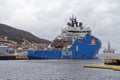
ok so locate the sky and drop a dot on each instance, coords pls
(46, 18)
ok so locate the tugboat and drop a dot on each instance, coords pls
(74, 42)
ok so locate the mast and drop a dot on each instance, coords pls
(73, 22)
(109, 46)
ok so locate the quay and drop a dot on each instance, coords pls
(110, 63)
(7, 57)
(13, 57)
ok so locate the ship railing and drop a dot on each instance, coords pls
(77, 29)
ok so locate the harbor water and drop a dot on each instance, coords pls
(56, 69)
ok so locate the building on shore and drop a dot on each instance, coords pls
(8, 46)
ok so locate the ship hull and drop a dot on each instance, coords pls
(87, 48)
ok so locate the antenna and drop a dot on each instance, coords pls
(109, 46)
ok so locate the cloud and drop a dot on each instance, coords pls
(45, 18)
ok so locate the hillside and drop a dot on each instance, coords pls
(18, 35)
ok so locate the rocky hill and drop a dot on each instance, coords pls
(18, 35)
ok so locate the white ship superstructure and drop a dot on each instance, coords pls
(73, 31)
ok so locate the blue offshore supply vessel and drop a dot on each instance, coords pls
(74, 42)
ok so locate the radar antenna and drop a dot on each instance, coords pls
(73, 22)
